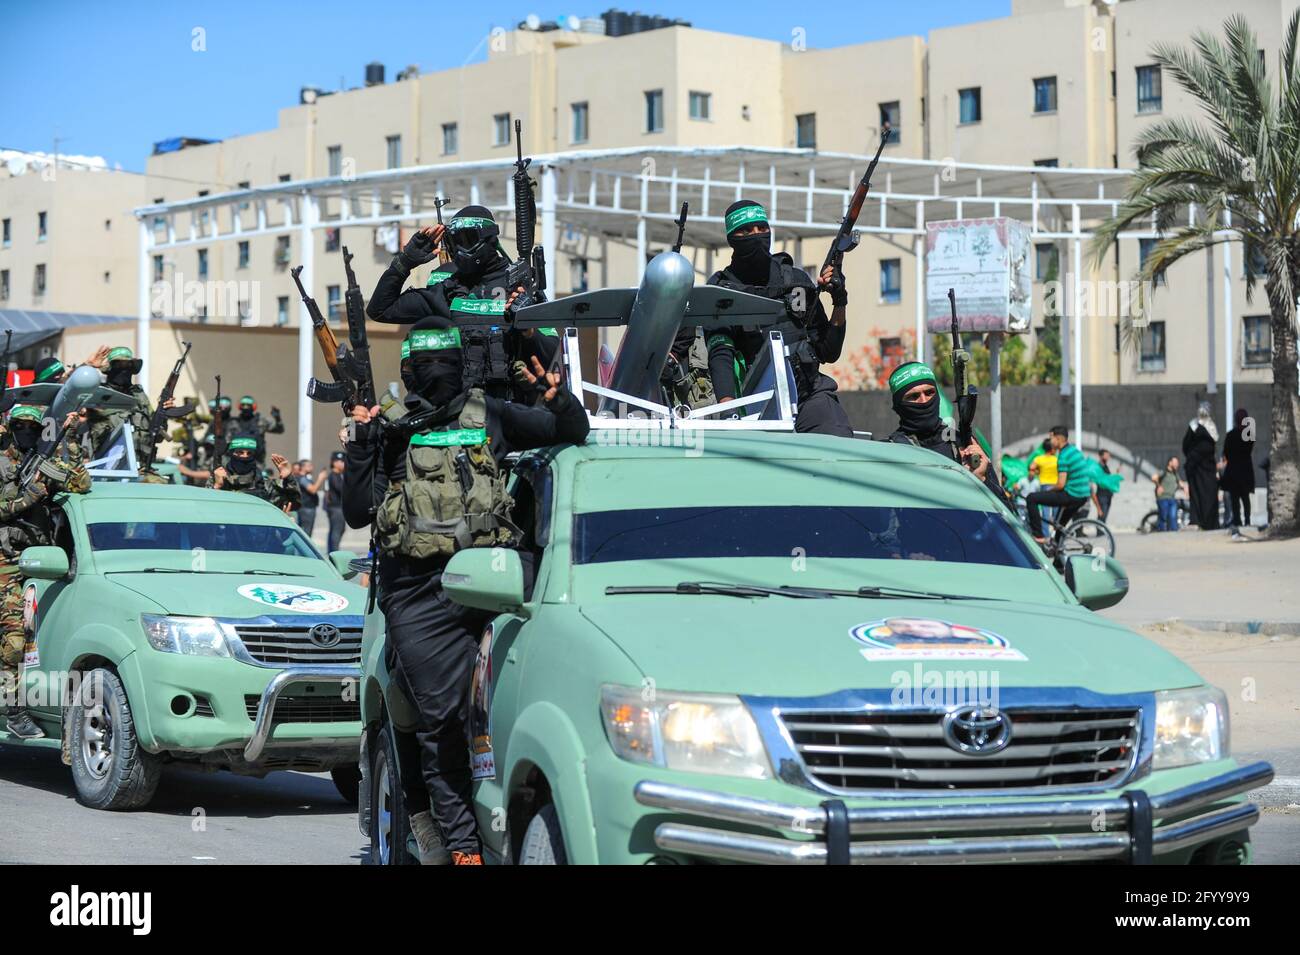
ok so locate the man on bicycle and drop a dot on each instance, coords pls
(1072, 486)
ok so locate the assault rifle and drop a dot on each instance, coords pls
(4, 383)
(444, 254)
(681, 227)
(846, 240)
(218, 431)
(345, 389)
(530, 269)
(75, 393)
(965, 394)
(158, 423)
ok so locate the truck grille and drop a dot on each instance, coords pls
(280, 646)
(876, 750)
(307, 709)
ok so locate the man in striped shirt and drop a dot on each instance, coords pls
(1072, 484)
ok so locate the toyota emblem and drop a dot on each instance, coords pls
(325, 635)
(977, 730)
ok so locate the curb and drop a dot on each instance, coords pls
(1267, 628)
(1283, 791)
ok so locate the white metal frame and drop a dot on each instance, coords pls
(632, 196)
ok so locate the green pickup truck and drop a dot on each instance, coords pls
(764, 647)
(179, 624)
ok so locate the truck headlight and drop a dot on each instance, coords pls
(192, 636)
(695, 732)
(1191, 727)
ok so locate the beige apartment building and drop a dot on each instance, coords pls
(1063, 83)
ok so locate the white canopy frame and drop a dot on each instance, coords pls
(633, 195)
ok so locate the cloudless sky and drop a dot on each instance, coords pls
(109, 77)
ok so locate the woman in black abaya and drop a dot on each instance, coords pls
(1202, 475)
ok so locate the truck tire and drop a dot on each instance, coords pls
(389, 825)
(543, 841)
(347, 780)
(109, 768)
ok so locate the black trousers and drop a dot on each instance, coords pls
(337, 525)
(307, 519)
(1239, 502)
(434, 644)
(1052, 498)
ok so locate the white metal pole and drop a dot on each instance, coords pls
(1076, 249)
(143, 311)
(306, 339)
(640, 249)
(549, 231)
(995, 394)
(919, 282)
(1210, 385)
(1228, 351)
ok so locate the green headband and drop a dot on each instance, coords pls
(744, 216)
(430, 339)
(54, 369)
(26, 413)
(121, 353)
(243, 444)
(469, 222)
(247, 400)
(905, 376)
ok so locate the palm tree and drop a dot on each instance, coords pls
(1240, 170)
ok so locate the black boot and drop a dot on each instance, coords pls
(21, 725)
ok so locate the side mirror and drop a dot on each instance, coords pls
(342, 561)
(486, 578)
(44, 563)
(1098, 581)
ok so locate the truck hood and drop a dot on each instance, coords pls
(778, 646)
(245, 595)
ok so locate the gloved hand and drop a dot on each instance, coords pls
(275, 412)
(419, 250)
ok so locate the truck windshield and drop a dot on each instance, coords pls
(189, 536)
(862, 533)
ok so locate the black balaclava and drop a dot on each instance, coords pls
(915, 419)
(245, 413)
(119, 375)
(474, 260)
(751, 255)
(242, 466)
(436, 380)
(25, 437)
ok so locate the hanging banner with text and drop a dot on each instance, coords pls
(987, 262)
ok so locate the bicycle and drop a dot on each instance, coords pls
(1078, 535)
(1152, 518)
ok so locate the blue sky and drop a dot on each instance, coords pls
(109, 77)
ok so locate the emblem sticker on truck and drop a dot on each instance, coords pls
(924, 638)
(290, 597)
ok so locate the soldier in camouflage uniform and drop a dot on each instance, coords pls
(122, 367)
(26, 520)
(241, 473)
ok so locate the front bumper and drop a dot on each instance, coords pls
(344, 675)
(1120, 829)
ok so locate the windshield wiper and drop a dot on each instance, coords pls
(706, 587)
(277, 573)
(900, 593)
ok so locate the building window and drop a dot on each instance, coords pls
(891, 114)
(108, 278)
(701, 105)
(1152, 357)
(1047, 163)
(157, 268)
(1047, 261)
(1144, 250)
(40, 227)
(1149, 98)
(332, 240)
(38, 284)
(578, 275)
(240, 185)
(1255, 264)
(1256, 342)
(450, 139)
(501, 129)
(891, 281)
(393, 145)
(201, 313)
(203, 263)
(579, 133)
(243, 254)
(285, 177)
(970, 105)
(332, 299)
(654, 111)
(335, 161)
(159, 222)
(245, 311)
(1045, 94)
(282, 310)
(4, 285)
(891, 355)
(282, 250)
(6, 233)
(805, 131)
(205, 215)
